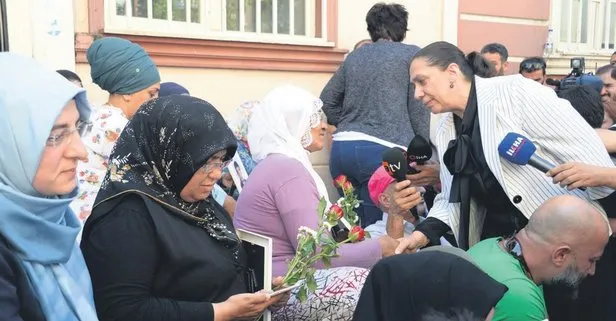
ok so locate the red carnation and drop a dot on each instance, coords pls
(340, 180)
(347, 187)
(357, 234)
(337, 211)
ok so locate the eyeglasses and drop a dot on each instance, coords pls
(209, 167)
(532, 66)
(82, 128)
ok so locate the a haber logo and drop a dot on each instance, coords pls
(515, 147)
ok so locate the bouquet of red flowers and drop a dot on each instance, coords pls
(319, 245)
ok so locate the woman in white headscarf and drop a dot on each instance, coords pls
(282, 194)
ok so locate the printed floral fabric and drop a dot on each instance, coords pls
(107, 125)
(238, 123)
(335, 298)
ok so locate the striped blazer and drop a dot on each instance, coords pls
(516, 104)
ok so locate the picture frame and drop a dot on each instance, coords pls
(258, 250)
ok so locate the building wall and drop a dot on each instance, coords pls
(33, 27)
(520, 25)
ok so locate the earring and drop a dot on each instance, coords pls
(451, 85)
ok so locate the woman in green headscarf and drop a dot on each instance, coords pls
(128, 74)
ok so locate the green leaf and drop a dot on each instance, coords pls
(321, 207)
(366, 234)
(311, 283)
(301, 295)
(327, 260)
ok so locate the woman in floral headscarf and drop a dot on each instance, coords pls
(157, 244)
(238, 122)
(129, 75)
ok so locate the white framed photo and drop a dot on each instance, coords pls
(238, 172)
(258, 249)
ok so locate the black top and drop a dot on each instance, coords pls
(502, 217)
(18, 301)
(149, 264)
(405, 287)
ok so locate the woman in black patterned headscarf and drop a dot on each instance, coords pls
(157, 245)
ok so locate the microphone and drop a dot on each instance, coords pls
(419, 151)
(396, 165)
(519, 150)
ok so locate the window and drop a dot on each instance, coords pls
(294, 21)
(584, 26)
(4, 37)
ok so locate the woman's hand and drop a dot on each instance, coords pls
(429, 174)
(243, 306)
(412, 243)
(282, 298)
(388, 245)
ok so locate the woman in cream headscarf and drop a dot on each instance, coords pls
(43, 275)
(129, 75)
(282, 193)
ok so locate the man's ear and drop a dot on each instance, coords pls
(506, 66)
(384, 200)
(560, 255)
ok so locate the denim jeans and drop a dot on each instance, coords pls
(358, 160)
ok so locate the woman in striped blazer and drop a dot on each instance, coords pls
(483, 195)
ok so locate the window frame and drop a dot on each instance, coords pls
(139, 26)
(592, 48)
(224, 54)
(4, 33)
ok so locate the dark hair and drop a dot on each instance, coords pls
(69, 75)
(496, 48)
(532, 64)
(387, 21)
(587, 101)
(611, 69)
(441, 54)
(463, 315)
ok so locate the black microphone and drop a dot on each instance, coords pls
(419, 151)
(396, 165)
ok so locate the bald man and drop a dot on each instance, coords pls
(560, 245)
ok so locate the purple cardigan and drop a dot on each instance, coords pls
(278, 198)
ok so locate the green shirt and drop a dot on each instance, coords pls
(524, 300)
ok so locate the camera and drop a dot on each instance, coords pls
(577, 66)
(577, 76)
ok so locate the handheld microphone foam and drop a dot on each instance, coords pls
(396, 165)
(419, 151)
(519, 150)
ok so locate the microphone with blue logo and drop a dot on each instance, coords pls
(519, 150)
